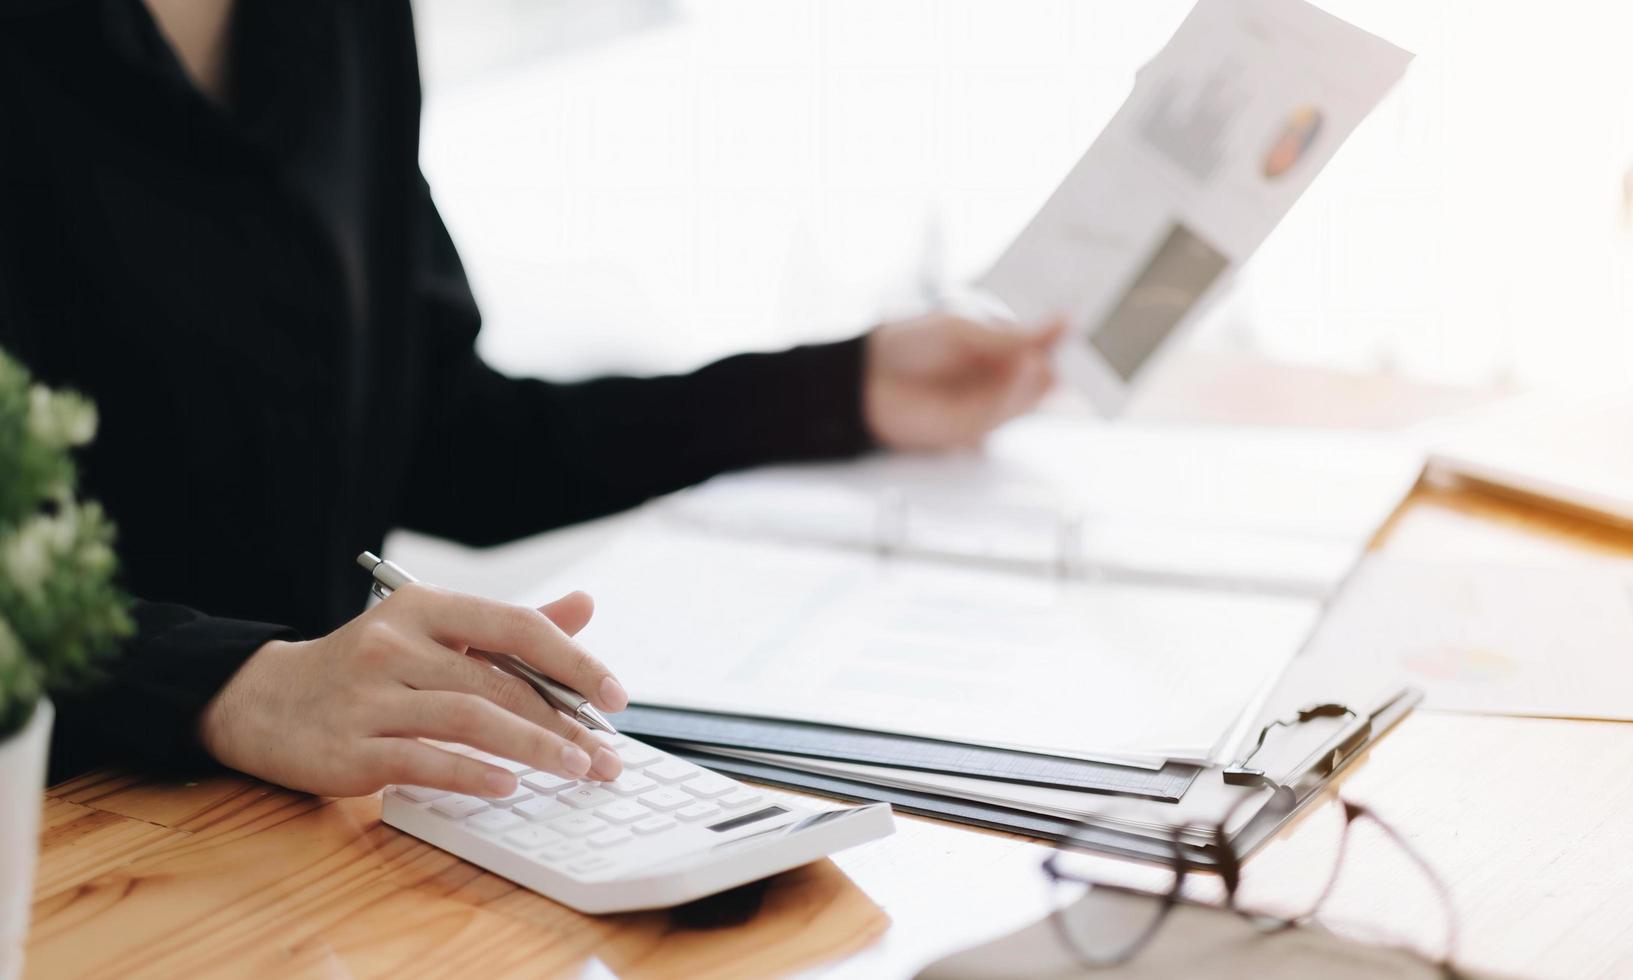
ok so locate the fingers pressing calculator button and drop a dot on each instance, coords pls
(668, 798)
(513, 799)
(671, 771)
(544, 782)
(459, 806)
(636, 755)
(420, 794)
(510, 765)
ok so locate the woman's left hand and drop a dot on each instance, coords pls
(942, 381)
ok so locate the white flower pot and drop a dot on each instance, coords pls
(22, 787)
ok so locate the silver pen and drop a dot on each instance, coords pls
(388, 577)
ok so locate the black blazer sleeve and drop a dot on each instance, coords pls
(143, 711)
(502, 457)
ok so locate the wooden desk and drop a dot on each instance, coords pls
(234, 876)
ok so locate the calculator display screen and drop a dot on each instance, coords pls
(746, 819)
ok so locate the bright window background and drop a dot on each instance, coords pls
(644, 185)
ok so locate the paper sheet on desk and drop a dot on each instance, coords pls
(1547, 641)
(1224, 130)
(1093, 670)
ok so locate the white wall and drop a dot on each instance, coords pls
(731, 174)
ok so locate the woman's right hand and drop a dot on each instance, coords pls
(344, 715)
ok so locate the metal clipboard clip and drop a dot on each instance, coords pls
(1315, 769)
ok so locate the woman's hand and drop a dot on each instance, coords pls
(343, 715)
(941, 381)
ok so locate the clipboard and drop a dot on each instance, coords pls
(1320, 761)
(815, 740)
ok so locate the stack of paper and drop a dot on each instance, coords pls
(1112, 671)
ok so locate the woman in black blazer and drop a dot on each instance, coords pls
(212, 221)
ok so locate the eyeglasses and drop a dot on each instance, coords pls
(1106, 941)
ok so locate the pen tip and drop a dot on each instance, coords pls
(594, 719)
(368, 560)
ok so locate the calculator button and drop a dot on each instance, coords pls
(610, 838)
(613, 741)
(562, 851)
(657, 823)
(697, 811)
(585, 797)
(708, 786)
(738, 798)
(509, 765)
(494, 821)
(671, 771)
(420, 794)
(622, 811)
(668, 798)
(594, 862)
(578, 825)
(531, 838)
(629, 784)
(513, 799)
(636, 755)
(543, 782)
(543, 808)
(459, 806)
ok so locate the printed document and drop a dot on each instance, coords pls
(1223, 131)
(1553, 641)
(1097, 670)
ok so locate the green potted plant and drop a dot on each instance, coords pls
(60, 613)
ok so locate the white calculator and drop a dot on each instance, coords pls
(663, 833)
